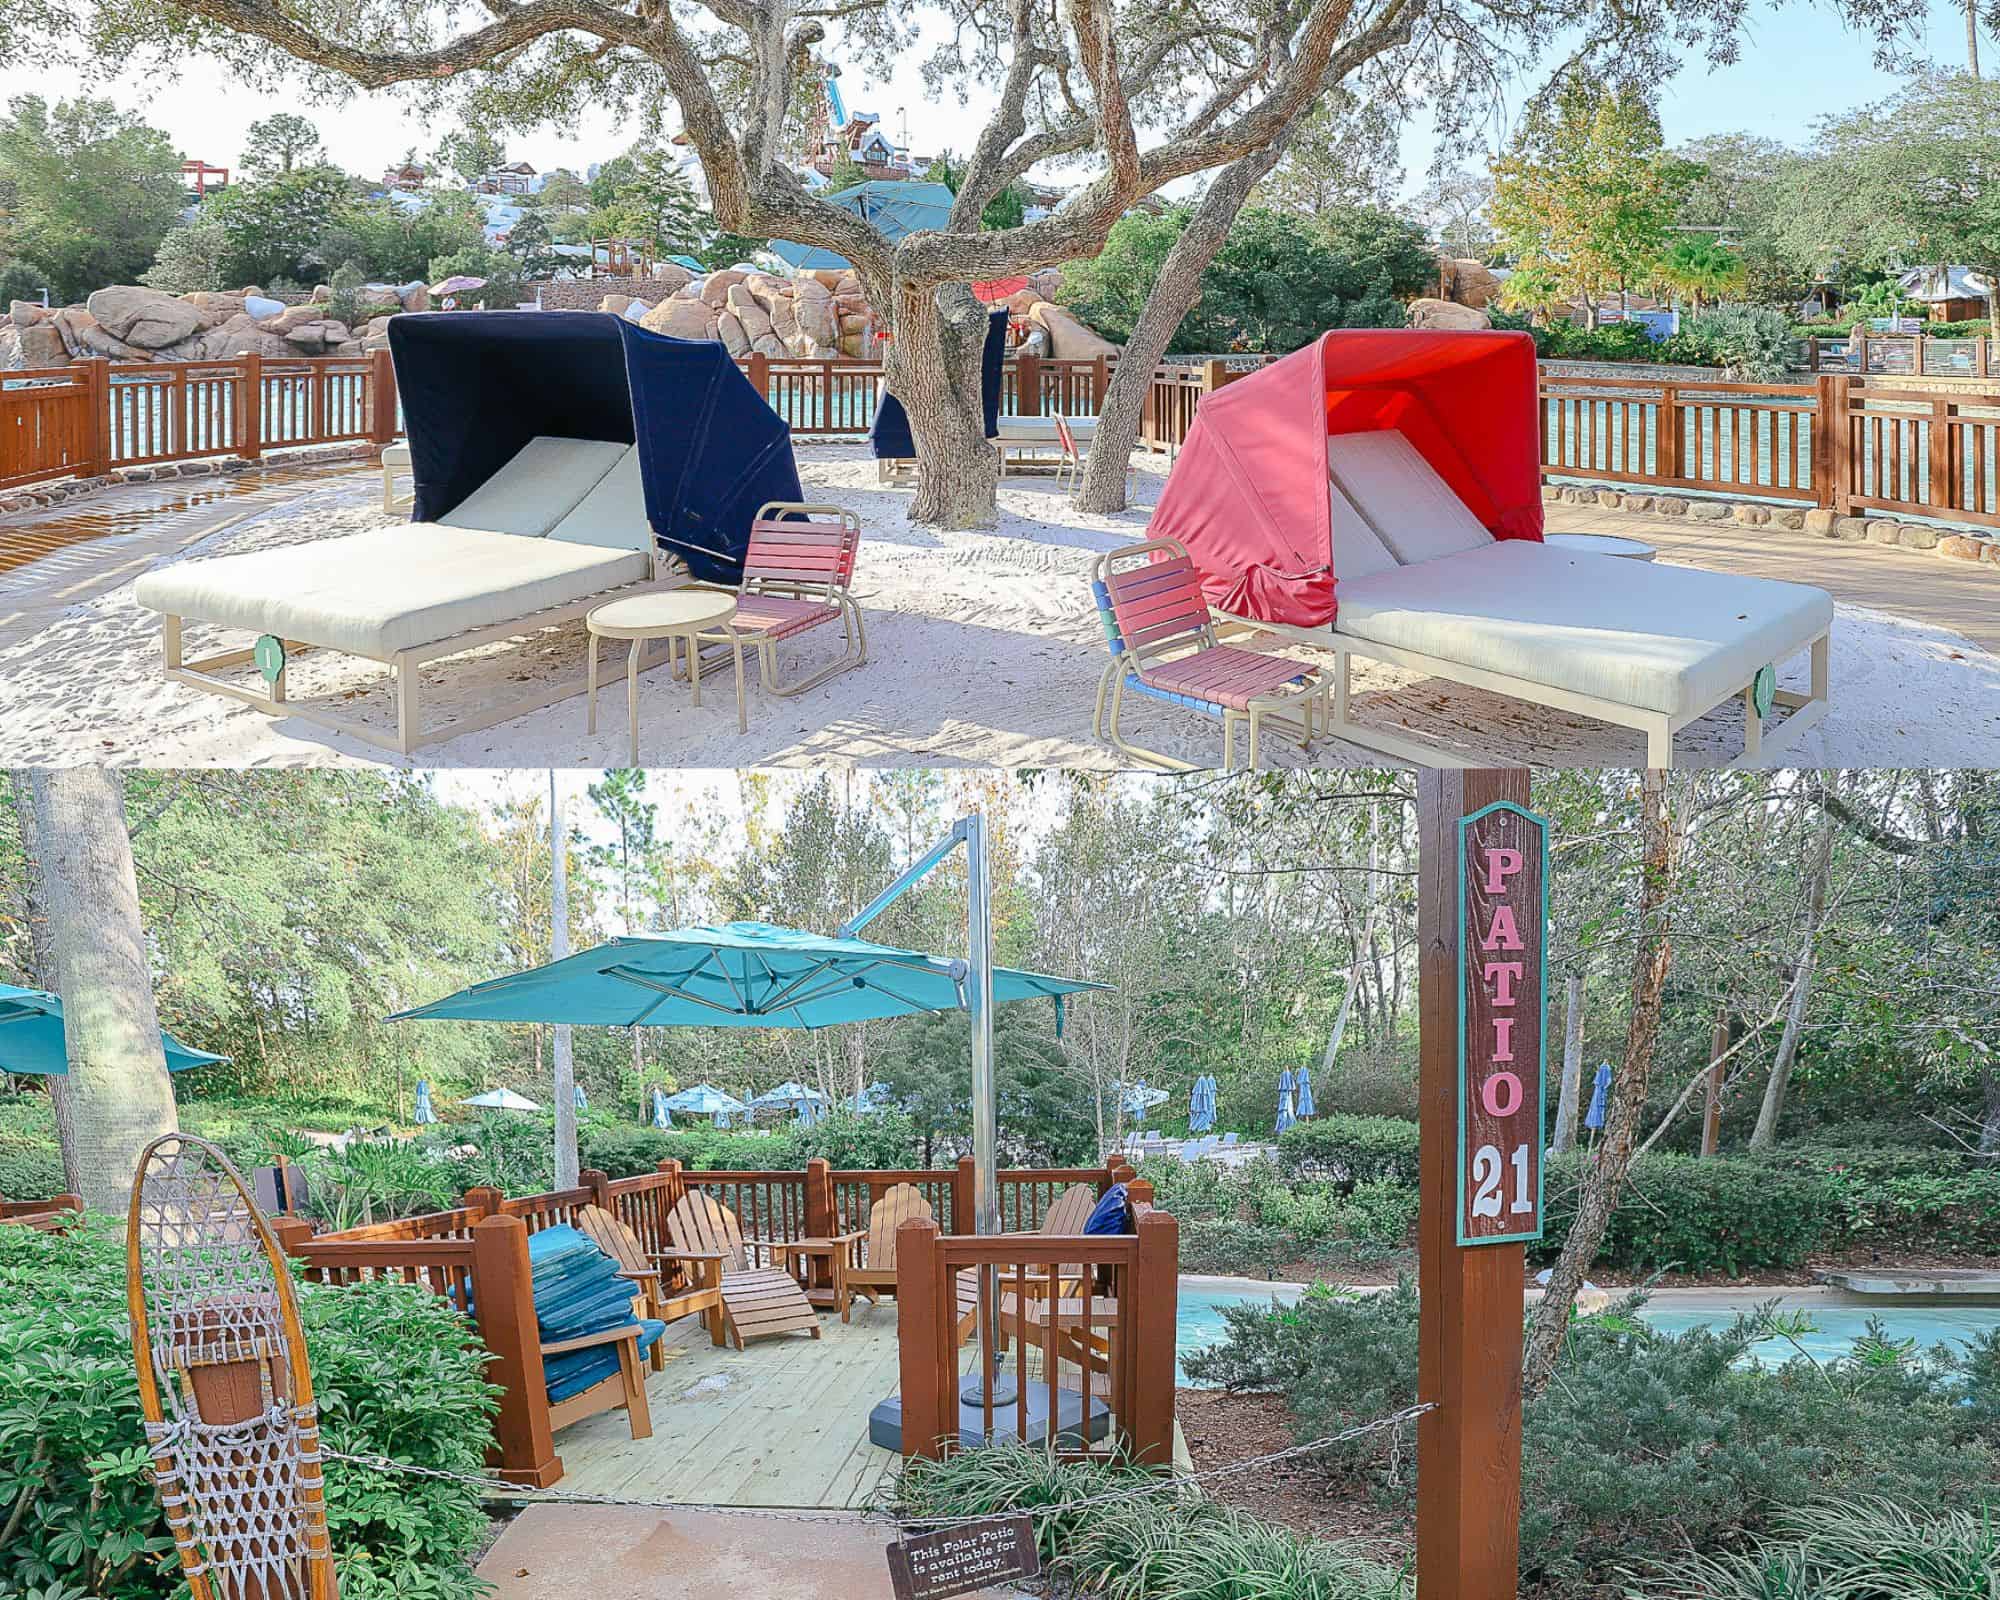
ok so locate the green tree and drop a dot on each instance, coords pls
(1738, 187)
(1341, 155)
(280, 143)
(274, 224)
(471, 152)
(653, 201)
(1586, 192)
(93, 191)
(190, 257)
(1909, 181)
(389, 242)
(1701, 268)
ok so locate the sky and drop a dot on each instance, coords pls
(1797, 66)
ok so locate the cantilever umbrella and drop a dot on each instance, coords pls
(740, 975)
(31, 1037)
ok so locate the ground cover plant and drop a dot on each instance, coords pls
(1646, 1445)
(1160, 1546)
(395, 1371)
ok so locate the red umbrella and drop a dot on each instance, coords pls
(999, 289)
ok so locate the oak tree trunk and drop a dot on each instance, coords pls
(1173, 296)
(116, 1097)
(1604, 1180)
(933, 367)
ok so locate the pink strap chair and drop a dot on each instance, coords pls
(1163, 645)
(797, 574)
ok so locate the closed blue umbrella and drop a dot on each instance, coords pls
(1305, 1092)
(1286, 1113)
(661, 1117)
(32, 1044)
(1195, 1122)
(582, 1099)
(1599, 1091)
(423, 1111)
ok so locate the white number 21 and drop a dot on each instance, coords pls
(1487, 1169)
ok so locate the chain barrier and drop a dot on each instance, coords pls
(500, 1488)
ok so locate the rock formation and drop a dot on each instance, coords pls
(1447, 316)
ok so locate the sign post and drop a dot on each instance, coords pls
(1481, 931)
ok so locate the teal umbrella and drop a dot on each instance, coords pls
(31, 1037)
(893, 207)
(703, 1100)
(741, 975)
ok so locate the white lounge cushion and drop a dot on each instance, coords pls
(538, 488)
(1396, 489)
(389, 589)
(613, 515)
(1358, 550)
(1663, 638)
(1042, 430)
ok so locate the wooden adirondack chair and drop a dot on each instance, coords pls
(1066, 1215)
(657, 1297)
(876, 1270)
(754, 1301)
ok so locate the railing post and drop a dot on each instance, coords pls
(1100, 379)
(250, 405)
(925, 1349)
(1214, 374)
(1155, 1292)
(820, 1220)
(962, 1220)
(503, 1301)
(599, 1185)
(1837, 492)
(291, 1233)
(97, 386)
(486, 1201)
(758, 370)
(1943, 457)
(381, 397)
(1667, 433)
(675, 1189)
(1028, 386)
(1857, 345)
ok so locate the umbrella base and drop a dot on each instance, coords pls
(1076, 1419)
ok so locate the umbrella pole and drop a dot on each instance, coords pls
(565, 1065)
(979, 1009)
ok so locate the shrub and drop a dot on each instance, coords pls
(1900, 1195)
(1194, 1191)
(1372, 1221)
(1644, 1443)
(1152, 1547)
(1351, 1150)
(1753, 343)
(1688, 1215)
(28, 1171)
(1227, 1245)
(395, 1372)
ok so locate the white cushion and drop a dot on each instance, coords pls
(1042, 430)
(1662, 638)
(1357, 549)
(538, 488)
(376, 593)
(1396, 489)
(613, 515)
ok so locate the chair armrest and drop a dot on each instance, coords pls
(586, 1341)
(689, 1255)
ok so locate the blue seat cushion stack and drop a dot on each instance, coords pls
(578, 1291)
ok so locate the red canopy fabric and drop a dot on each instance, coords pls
(1248, 492)
(996, 289)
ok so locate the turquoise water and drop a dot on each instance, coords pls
(1835, 1327)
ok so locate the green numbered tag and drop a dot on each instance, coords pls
(269, 654)
(1764, 690)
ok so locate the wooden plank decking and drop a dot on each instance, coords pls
(782, 1423)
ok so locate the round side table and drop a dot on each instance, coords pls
(1601, 544)
(668, 614)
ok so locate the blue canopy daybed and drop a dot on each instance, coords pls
(557, 456)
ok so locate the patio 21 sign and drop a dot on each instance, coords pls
(1502, 986)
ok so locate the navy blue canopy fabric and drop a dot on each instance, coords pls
(476, 386)
(890, 436)
(711, 449)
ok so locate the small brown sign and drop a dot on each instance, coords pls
(930, 1566)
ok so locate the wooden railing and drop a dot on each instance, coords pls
(1754, 439)
(1898, 355)
(1896, 450)
(92, 416)
(838, 397)
(476, 1255)
(1100, 1333)
(47, 1216)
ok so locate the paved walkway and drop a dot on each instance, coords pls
(1959, 595)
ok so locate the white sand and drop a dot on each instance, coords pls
(984, 649)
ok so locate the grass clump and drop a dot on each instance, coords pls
(1167, 1545)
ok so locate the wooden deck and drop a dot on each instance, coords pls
(782, 1423)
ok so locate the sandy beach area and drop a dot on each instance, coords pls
(984, 649)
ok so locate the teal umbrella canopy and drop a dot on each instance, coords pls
(703, 1100)
(787, 1096)
(894, 207)
(740, 975)
(31, 1037)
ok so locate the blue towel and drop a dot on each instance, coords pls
(578, 1291)
(1113, 1214)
